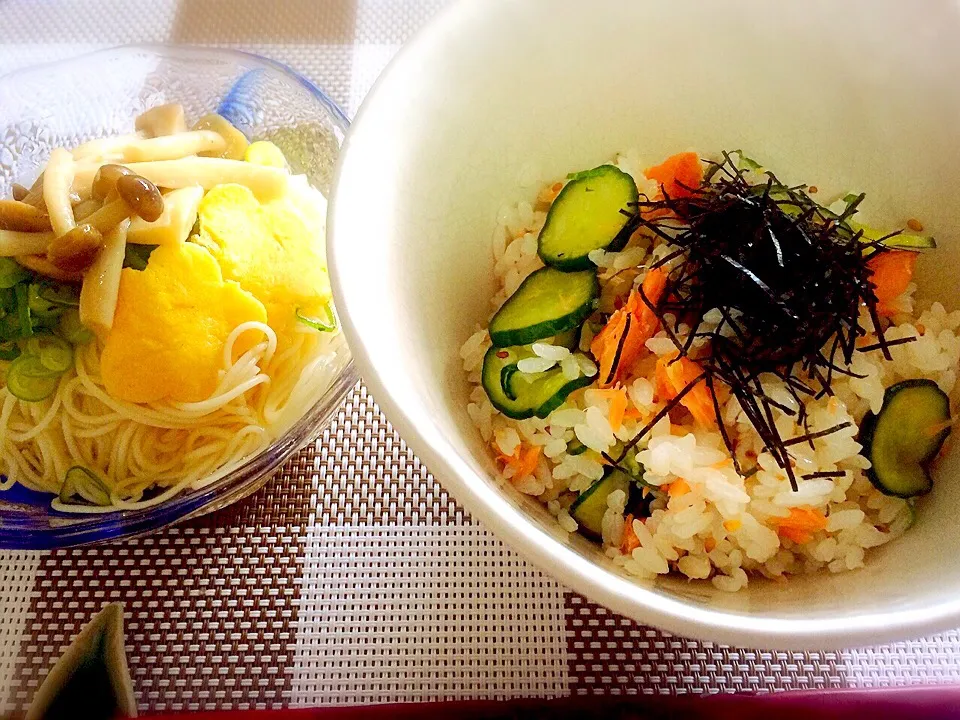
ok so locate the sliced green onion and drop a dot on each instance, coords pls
(36, 369)
(136, 256)
(11, 272)
(746, 163)
(60, 294)
(8, 299)
(83, 483)
(54, 353)
(46, 324)
(9, 351)
(9, 327)
(635, 470)
(23, 310)
(72, 330)
(330, 325)
(39, 306)
(29, 380)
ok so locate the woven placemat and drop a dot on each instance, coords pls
(352, 577)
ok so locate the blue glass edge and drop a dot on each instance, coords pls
(307, 84)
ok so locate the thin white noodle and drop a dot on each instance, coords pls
(72, 448)
(8, 402)
(206, 406)
(147, 454)
(40, 426)
(244, 328)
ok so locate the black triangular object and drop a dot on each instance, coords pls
(91, 680)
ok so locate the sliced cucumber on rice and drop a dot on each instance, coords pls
(904, 438)
(908, 242)
(575, 447)
(570, 339)
(591, 504)
(521, 395)
(899, 241)
(547, 303)
(590, 213)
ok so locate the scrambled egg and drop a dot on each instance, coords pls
(171, 323)
(273, 250)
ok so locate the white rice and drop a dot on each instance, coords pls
(724, 528)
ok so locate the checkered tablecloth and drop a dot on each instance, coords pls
(352, 577)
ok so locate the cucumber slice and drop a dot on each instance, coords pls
(547, 303)
(905, 436)
(587, 215)
(910, 242)
(82, 483)
(896, 242)
(570, 339)
(912, 512)
(575, 447)
(589, 507)
(521, 396)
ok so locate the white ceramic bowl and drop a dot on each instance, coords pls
(495, 93)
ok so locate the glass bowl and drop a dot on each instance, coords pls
(68, 102)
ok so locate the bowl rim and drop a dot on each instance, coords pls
(490, 506)
(256, 471)
(166, 49)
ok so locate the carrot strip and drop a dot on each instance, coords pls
(661, 381)
(678, 488)
(800, 524)
(506, 459)
(803, 518)
(890, 274)
(678, 175)
(549, 193)
(632, 413)
(795, 534)
(653, 285)
(523, 461)
(673, 374)
(623, 339)
(617, 399)
(630, 541)
(607, 342)
(527, 462)
(618, 408)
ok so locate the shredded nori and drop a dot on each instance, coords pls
(788, 277)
